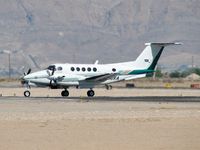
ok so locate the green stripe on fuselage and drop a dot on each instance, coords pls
(155, 61)
(137, 72)
(151, 67)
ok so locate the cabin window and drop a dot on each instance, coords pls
(83, 69)
(77, 69)
(60, 68)
(89, 69)
(72, 68)
(95, 69)
(114, 70)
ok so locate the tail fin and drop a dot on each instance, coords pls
(148, 59)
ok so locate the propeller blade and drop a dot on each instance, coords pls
(53, 83)
(53, 71)
(29, 71)
(48, 72)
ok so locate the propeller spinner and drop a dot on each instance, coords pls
(23, 82)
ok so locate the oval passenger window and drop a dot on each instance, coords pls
(94, 69)
(83, 69)
(89, 69)
(72, 69)
(113, 69)
(59, 68)
(77, 69)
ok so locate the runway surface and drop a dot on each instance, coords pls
(109, 98)
(102, 122)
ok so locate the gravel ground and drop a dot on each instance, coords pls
(102, 123)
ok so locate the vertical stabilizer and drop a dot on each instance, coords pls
(148, 59)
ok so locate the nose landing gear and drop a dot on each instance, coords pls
(27, 93)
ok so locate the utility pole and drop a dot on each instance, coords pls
(192, 62)
(8, 52)
(154, 73)
(9, 66)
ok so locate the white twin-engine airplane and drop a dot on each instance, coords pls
(63, 76)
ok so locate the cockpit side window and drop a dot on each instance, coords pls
(52, 67)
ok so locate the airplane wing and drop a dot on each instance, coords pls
(101, 78)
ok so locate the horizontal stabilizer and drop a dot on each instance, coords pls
(163, 44)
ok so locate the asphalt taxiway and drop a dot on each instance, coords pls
(109, 98)
(102, 95)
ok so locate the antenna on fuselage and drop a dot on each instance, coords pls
(96, 62)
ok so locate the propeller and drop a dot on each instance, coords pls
(28, 72)
(53, 78)
(53, 71)
(53, 81)
(24, 82)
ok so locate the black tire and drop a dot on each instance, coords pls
(109, 87)
(27, 93)
(90, 93)
(65, 93)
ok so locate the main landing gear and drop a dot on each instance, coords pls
(27, 93)
(65, 93)
(90, 93)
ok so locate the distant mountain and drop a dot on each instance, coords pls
(81, 31)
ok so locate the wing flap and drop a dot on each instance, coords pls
(101, 78)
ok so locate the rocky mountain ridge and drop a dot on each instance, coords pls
(81, 31)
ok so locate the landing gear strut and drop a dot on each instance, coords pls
(65, 93)
(27, 93)
(90, 93)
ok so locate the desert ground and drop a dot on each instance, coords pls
(47, 121)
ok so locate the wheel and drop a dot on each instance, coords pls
(65, 93)
(27, 93)
(108, 87)
(90, 93)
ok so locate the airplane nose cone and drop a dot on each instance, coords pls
(36, 75)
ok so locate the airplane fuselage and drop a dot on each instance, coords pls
(77, 74)
(91, 75)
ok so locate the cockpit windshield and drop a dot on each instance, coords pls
(52, 67)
